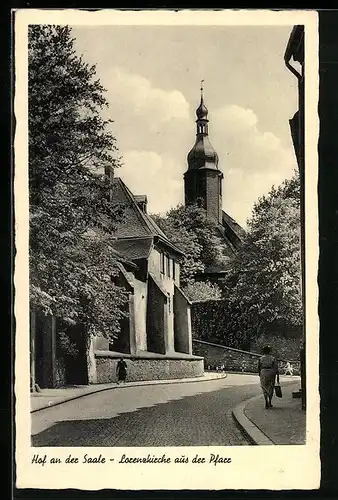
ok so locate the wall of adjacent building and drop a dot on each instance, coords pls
(168, 283)
(140, 314)
(182, 323)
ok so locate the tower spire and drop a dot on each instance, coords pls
(203, 179)
(202, 154)
(202, 115)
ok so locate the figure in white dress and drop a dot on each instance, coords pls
(288, 369)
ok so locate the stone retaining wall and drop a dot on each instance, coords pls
(139, 368)
(233, 359)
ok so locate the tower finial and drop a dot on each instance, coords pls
(202, 81)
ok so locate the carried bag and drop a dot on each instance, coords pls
(278, 391)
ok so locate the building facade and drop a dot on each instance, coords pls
(155, 337)
(294, 54)
(158, 329)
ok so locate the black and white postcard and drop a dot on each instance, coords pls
(167, 244)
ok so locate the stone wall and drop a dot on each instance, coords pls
(139, 368)
(233, 359)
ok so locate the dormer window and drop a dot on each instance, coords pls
(142, 202)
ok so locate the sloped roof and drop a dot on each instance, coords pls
(232, 234)
(236, 228)
(124, 259)
(133, 223)
(119, 256)
(159, 285)
(136, 223)
(231, 231)
(134, 248)
(154, 228)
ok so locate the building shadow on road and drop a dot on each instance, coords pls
(202, 419)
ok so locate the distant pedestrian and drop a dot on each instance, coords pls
(268, 370)
(288, 369)
(121, 371)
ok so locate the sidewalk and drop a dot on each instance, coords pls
(285, 423)
(47, 398)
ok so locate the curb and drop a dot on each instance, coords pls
(249, 429)
(132, 384)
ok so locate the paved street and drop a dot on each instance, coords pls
(190, 414)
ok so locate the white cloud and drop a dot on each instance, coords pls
(146, 172)
(143, 99)
(155, 131)
(251, 160)
(145, 117)
(152, 98)
(237, 118)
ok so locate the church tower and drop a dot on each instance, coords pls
(203, 179)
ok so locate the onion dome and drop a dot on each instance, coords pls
(202, 111)
(202, 155)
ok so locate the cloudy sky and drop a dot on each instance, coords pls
(152, 75)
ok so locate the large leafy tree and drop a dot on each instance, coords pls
(189, 229)
(202, 291)
(66, 130)
(267, 277)
(262, 293)
(72, 217)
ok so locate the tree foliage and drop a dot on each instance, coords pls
(223, 322)
(201, 291)
(71, 216)
(267, 277)
(220, 322)
(262, 292)
(66, 130)
(197, 237)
